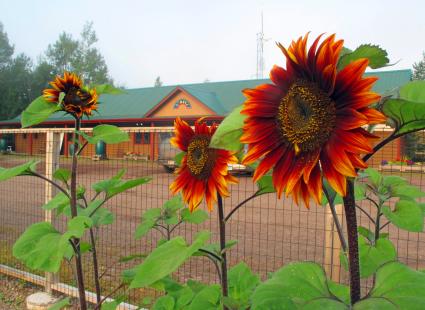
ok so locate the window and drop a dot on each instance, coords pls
(146, 138)
(138, 138)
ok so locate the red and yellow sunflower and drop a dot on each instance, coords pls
(308, 123)
(203, 170)
(77, 100)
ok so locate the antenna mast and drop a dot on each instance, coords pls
(260, 50)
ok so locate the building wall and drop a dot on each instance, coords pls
(30, 143)
(170, 108)
(121, 149)
(390, 152)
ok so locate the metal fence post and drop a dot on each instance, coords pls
(53, 146)
(332, 244)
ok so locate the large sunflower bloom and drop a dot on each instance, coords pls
(308, 122)
(203, 170)
(77, 100)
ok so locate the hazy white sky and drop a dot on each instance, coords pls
(189, 41)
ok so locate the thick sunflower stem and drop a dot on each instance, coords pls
(222, 227)
(353, 246)
(74, 213)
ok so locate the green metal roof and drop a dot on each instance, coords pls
(221, 97)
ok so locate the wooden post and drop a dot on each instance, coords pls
(332, 244)
(53, 146)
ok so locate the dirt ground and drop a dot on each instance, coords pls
(271, 232)
(14, 292)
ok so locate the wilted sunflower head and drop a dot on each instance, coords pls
(308, 122)
(75, 99)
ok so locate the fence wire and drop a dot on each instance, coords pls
(270, 232)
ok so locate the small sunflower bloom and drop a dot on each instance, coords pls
(308, 123)
(76, 100)
(203, 170)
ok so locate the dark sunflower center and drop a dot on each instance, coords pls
(76, 97)
(306, 116)
(200, 158)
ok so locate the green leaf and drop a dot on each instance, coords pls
(111, 305)
(116, 186)
(375, 178)
(59, 201)
(38, 111)
(324, 303)
(105, 185)
(340, 291)
(372, 257)
(62, 175)
(77, 226)
(407, 215)
(196, 217)
(374, 304)
(131, 257)
(101, 216)
(107, 89)
(377, 56)
(405, 191)
(61, 304)
(413, 91)
(174, 204)
(229, 132)
(166, 259)
(107, 133)
(8, 173)
(149, 219)
(164, 303)
(209, 298)
(183, 297)
(393, 180)
(366, 233)
(400, 285)
(292, 286)
(39, 247)
(265, 185)
(178, 158)
(242, 283)
(406, 116)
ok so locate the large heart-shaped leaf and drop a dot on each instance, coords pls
(197, 216)
(265, 185)
(107, 89)
(397, 285)
(38, 247)
(413, 91)
(406, 116)
(294, 286)
(372, 256)
(38, 111)
(165, 259)
(149, 219)
(107, 133)
(8, 173)
(377, 56)
(229, 132)
(242, 282)
(407, 215)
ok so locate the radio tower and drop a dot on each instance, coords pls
(260, 49)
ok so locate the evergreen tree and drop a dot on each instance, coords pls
(158, 82)
(419, 69)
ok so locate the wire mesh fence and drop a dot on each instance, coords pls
(270, 232)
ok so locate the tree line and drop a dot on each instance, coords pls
(22, 79)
